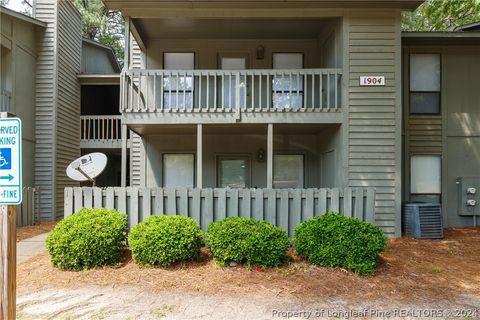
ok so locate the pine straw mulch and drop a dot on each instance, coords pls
(410, 271)
(32, 231)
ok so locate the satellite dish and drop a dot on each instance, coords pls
(87, 167)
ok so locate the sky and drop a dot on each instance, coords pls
(16, 5)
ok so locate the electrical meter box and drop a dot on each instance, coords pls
(468, 196)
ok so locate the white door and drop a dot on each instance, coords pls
(178, 89)
(287, 90)
(233, 83)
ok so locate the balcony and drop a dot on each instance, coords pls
(226, 96)
(5, 101)
(100, 131)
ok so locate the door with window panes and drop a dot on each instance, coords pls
(287, 89)
(233, 171)
(178, 87)
(234, 85)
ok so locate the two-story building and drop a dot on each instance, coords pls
(267, 109)
(266, 94)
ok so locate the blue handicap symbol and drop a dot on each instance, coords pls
(5, 158)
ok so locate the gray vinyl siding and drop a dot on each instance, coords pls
(374, 117)
(58, 102)
(138, 57)
(68, 96)
(44, 111)
(136, 160)
(136, 151)
(424, 134)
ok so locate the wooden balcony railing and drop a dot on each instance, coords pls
(5, 101)
(101, 128)
(230, 91)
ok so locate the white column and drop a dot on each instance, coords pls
(270, 156)
(199, 156)
(124, 156)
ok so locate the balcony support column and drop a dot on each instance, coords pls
(124, 156)
(199, 155)
(270, 156)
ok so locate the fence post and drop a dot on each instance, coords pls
(8, 262)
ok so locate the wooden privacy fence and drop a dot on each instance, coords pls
(28, 213)
(282, 207)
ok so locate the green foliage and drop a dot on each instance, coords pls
(441, 15)
(237, 239)
(102, 25)
(88, 238)
(334, 240)
(163, 240)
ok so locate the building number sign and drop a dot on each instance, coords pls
(372, 80)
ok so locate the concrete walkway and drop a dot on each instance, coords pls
(31, 247)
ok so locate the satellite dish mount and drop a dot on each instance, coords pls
(87, 167)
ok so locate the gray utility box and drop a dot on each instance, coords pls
(468, 196)
(423, 220)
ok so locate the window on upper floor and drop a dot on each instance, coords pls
(287, 89)
(425, 83)
(178, 89)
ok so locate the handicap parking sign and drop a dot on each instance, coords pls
(10, 161)
(5, 158)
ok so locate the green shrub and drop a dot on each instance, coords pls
(88, 238)
(335, 240)
(163, 240)
(257, 243)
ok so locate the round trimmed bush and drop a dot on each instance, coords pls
(163, 240)
(335, 240)
(243, 240)
(87, 239)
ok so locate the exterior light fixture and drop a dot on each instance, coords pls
(260, 52)
(261, 155)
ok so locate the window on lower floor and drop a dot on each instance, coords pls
(178, 170)
(288, 171)
(425, 178)
(233, 172)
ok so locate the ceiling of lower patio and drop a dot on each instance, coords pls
(184, 28)
(222, 129)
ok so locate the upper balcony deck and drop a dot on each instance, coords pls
(246, 70)
(229, 95)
